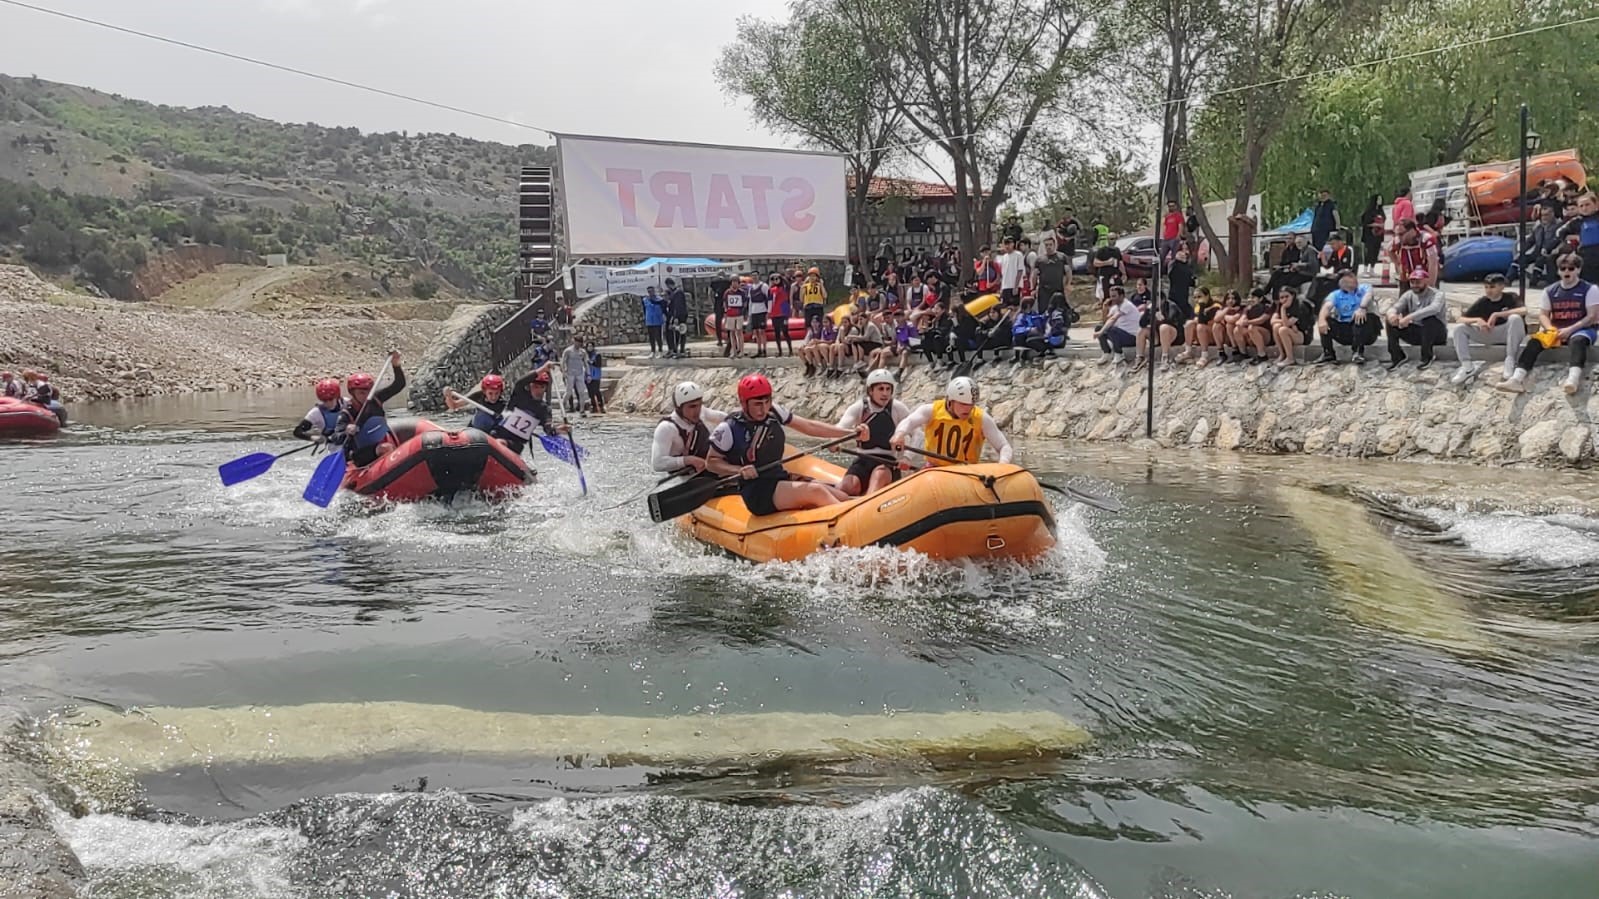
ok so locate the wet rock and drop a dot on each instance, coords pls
(1540, 440)
(1576, 443)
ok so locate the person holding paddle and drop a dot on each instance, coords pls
(683, 439)
(954, 428)
(879, 411)
(510, 417)
(321, 424)
(753, 438)
(368, 436)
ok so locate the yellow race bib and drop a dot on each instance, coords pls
(1549, 339)
(960, 438)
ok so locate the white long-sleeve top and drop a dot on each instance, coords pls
(922, 416)
(856, 413)
(667, 450)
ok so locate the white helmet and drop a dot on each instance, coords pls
(961, 390)
(686, 392)
(879, 376)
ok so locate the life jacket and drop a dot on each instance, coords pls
(325, 420)
(914, 295)
(696, 438)
(960, 438)
(756, 443)
(373, 430)
(736, 301)
(486, 421)
(1567, 306)
(812, 294)
(879, 425)
(15, 389)
(523, 413)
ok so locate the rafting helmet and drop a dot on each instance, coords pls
(687, 392)
(962, 390)
(359, 381)
(327, 389)
(542, 377)
(879, 376)
(493, 382)
(755, 386)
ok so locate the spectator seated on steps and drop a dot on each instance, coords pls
(1348, 316)
(1568, 317)
(1417, 319)
(1298, 266)
(1496, 319)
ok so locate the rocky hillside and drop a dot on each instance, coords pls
(92, 183)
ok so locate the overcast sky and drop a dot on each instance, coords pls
(635, 68)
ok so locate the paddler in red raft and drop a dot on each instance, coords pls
(516, 413)
(368, 436)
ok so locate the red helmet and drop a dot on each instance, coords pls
(327, 389)
(753, 387)
(359, 381)
(542, 377)
(493, 382)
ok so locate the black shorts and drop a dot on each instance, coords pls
(862, 469)
(868, 346)
(757, 321)
(758, 495)
(1010, 298)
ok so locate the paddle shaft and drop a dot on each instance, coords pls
(772, 466)
(691, 495)
(1087, 499)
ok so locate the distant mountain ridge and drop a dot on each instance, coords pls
(124, 175)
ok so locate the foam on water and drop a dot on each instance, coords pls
(1554, 541)
(914, 842)
(128, 857)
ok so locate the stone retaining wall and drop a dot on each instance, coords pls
(1343, 411)
(460, 354)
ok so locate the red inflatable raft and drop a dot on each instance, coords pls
(431, 462)
(19, 418)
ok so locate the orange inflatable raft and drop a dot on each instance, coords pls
(1496, 187)
(983, 511)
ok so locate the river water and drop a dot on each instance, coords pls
(1286, 694)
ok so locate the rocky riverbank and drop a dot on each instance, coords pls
(1344, 411)
(98, 350)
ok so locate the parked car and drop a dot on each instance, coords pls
(1139, 255)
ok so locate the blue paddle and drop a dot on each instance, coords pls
(576, 460)
(252, 466)
(566, 450)
(325, 481)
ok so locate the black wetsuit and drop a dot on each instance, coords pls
(362, 450)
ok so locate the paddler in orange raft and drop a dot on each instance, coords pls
(955, 427)
(753, 437)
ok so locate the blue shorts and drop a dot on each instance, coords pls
(1591, 333)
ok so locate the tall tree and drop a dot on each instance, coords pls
(809, 77)
(1268, 62)
(978, 80)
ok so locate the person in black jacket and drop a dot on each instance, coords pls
(676, 320)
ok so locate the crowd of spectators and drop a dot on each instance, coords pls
(1011, 301)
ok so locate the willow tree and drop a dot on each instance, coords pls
(809, 78)
(1362, 130)
(1267, 61)
(978, 81)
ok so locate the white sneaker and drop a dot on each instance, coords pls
(1466, 372)
(1573, 380)
(1516, 383)
(1166, 364)
(1106, 359)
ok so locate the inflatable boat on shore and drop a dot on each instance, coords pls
(433, 463)
(20, 418)
(982, 511)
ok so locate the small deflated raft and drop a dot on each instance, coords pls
(983, 511)
(19, 418)
(432, 463)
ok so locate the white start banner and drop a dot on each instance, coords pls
(671, 199)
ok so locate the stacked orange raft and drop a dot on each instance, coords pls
(985, 511)
(432, 463)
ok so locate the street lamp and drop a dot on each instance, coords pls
(1530, 141)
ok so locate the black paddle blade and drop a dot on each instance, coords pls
(681, 499)
(1103, 503)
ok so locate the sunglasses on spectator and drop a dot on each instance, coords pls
(1570, 268)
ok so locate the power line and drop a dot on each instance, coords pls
(396, 95)
(1398, 57)
(277, 66)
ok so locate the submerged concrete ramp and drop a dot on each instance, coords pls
(1382, 588)
(164, 739)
